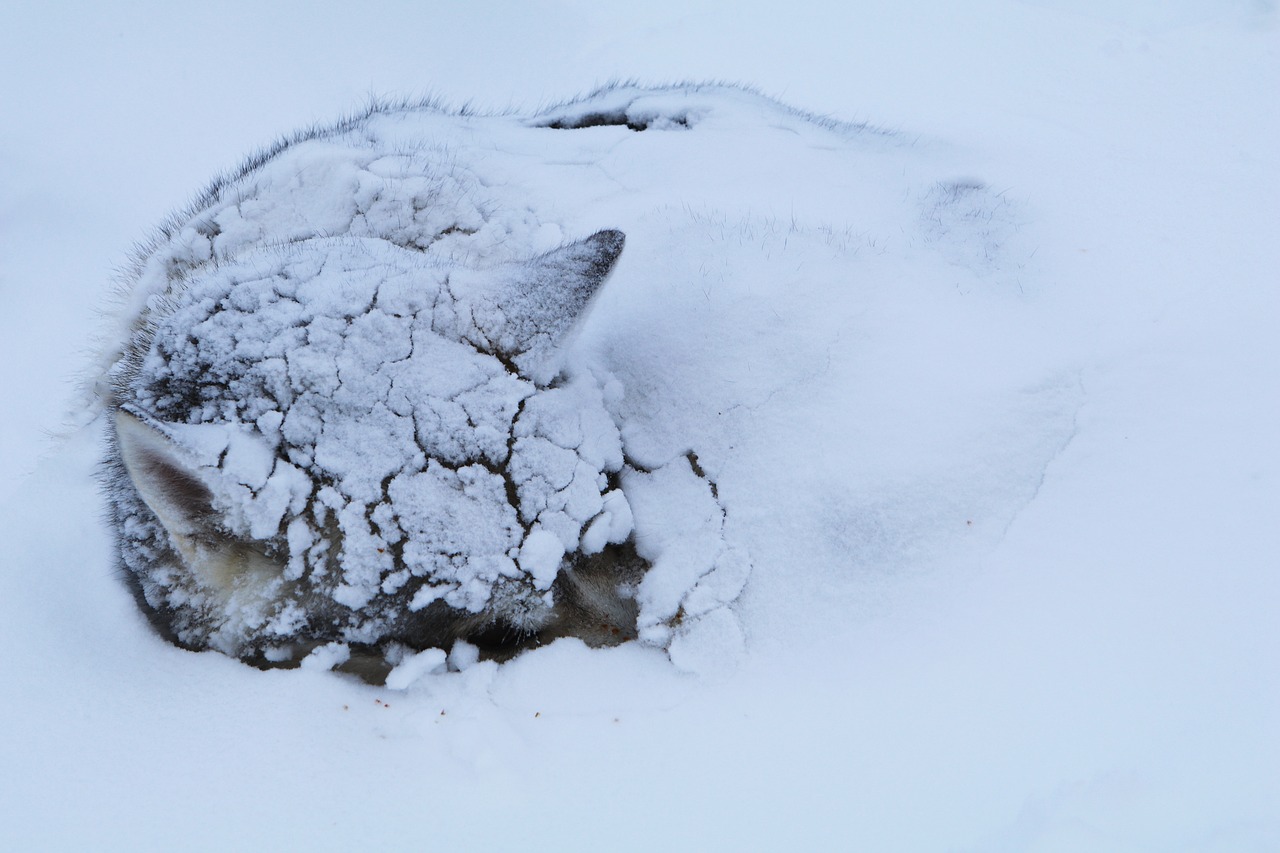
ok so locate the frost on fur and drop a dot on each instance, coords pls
(342, 427)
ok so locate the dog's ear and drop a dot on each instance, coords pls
(166, 479)
(527, 311)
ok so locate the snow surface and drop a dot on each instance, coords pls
(988, 396)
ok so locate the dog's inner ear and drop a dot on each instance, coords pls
(529, 310)
(166, 481)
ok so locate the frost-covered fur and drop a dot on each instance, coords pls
(340, 416)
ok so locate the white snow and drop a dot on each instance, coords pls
(413, 667)
(540, 556)
(988, 402)
(326, 657)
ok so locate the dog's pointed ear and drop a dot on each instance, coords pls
(536, 305)
(166, 478)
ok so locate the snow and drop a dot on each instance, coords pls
(413, 667)
(985, 390)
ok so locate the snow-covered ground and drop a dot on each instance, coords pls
(988, 389)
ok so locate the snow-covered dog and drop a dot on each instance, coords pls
(330, 426)
(340, 420)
